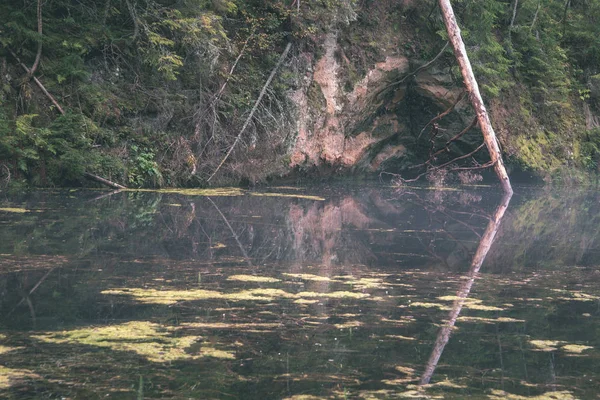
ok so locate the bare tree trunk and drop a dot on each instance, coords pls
(260, 96)
(473, 88)
(39, 49)
(104, 181)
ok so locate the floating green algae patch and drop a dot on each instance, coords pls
(430, 305)
(295, 196)
(252, 278)
(308, 277)
(8, 376)
(195, 192)
(470, 303)
(562, 395)
(545, 345)
(575, 348)
(367, 283)
(150, 340)
(489, 320)
(167, 297)
(6, 349)
(153, 296)
(14, 210)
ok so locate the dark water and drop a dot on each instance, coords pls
(360, 292)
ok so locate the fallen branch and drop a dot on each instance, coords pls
(422, 67)
(448, 163)
(447, 144)
(261, 95)
(217, 96)
(103, 181)
(442, 115)
(36, 80)
(411, 74)
(482, 166)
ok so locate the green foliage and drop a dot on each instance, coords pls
(589, 151)
(177, 78)
(143, 168)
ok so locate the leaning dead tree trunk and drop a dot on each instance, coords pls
(103, 181)
(473, 88)
(249, 119)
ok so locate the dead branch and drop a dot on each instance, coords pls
(448, 163)
(136, 24)
(262, 93)
(36, 80)
(460, 158)
(103, 181)
(482, 166)
(217, 96)
(535, 16)
(39, 49)
(411, 74)
(422, 67)
(447, 144)
(442, 115)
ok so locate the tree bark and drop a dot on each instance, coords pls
(473, 88)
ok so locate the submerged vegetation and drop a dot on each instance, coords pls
(153, 93)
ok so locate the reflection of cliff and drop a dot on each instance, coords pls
(320, 233)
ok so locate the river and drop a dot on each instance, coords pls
(300, 292)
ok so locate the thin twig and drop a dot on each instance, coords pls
(442, 115)
(447, 144)
(422, 67)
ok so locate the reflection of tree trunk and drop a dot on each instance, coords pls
(235, 236)
(484, 247)
(473, 88)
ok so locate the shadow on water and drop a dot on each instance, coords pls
(300, 293)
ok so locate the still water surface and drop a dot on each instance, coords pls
(300, 293)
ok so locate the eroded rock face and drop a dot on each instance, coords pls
(360, 127)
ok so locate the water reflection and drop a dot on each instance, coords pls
(328, 292)
(485, 244)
